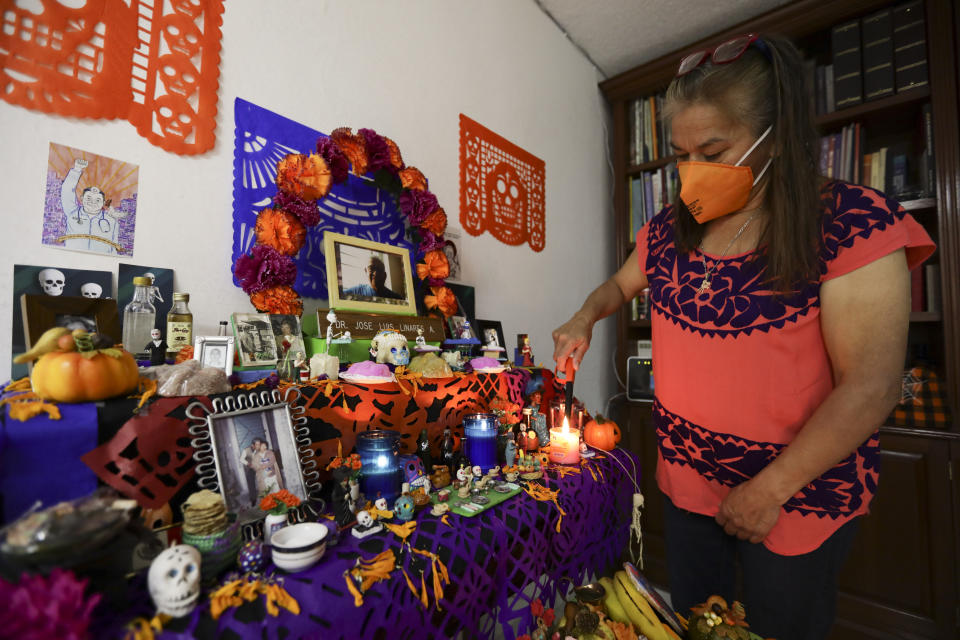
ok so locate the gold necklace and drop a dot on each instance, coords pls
(708, 273)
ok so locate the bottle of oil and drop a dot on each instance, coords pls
(180, 323)
(139, 317)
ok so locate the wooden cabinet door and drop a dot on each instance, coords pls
(900, 578)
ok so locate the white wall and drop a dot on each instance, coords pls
(406, 69)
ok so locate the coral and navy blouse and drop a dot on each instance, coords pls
(738, 371)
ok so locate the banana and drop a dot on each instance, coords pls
(637, 608)
(46, 344)
(671, 634)
(612, 602)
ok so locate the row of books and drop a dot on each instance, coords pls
(892, 169)
(925, 288)
(649, 139)
(872, 57)
(640, 306)
(649, 192)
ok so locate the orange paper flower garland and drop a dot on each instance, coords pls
(267, 272)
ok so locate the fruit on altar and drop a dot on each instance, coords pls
(601, 433)
(637, 608)
(713, 620)
(612, 602)
(47, 343)
(84, 375)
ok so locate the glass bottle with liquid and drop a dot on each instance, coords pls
(179, 323)
(139, 317)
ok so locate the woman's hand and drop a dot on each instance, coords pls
(749, 511)
(572, 340)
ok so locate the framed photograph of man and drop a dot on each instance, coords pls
(255, 452)
(364, 275)
(214, 351)
(255, 342)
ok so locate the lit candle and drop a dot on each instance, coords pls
(564, 444)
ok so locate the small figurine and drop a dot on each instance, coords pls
(251, 558)
(441, 476)
(157, 348)
(366, 525)
(510, 452)
(439, 509)
(390, 346)
(403, 508)
(342, 511)
(423, 451)
(331, 322)
(526, 353)
(465, 331)
(421, 341)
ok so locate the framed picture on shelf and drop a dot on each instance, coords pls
(42, 312)
(255, 451)
(460, 328)
(255, 342)
(364, 275)
(288, 336)
(490, 333)
(214, 351)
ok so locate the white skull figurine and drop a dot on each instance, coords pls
(174, 580)
(364, 519)
(390, 346)
(91, 290)
(52, 281)
(381, 504)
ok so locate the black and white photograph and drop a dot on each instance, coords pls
(214, 351)
(255, 342)
(490, 333)
(287, 335)
(256, 454)
(368, 276)
(74, 322)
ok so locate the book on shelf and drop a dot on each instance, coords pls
(637, 207)
(640, 308)
(928, 179)
(909, 46)
(830, 104)
(876, 32)
(847, 79)
(931, 277)
(649, 139)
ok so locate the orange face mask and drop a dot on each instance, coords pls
(712, 189)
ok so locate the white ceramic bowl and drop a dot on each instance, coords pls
(299, 546)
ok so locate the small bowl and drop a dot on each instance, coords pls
(298, 546)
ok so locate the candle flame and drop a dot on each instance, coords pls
(566, 425)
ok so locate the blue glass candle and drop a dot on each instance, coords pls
(380, 473)
(480, 446)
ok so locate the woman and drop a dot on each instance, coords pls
(780, 310)
(264, 463)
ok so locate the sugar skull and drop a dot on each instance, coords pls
(403, 508)
(52, 281)
(364, 519)
(390, 346)
(91, 290)
(381, 504)
(174, 580)
(413, 473)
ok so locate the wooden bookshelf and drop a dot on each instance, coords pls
(902, 577)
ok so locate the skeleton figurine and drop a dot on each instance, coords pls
(342, 511)
(421, 341)
(174, 580)
(52, 281)
(366, 525)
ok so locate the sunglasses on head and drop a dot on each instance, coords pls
(724, 53)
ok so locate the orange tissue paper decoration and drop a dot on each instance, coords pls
(352, 146)
(280, 230)
(413, 178)
(305, 176)
(436, 222)
(443, 299)
(434, 265)
(281, 300)
(396, 159)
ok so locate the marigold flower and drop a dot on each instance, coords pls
(280, 230)
(396, 160)
(434, 265)
(436, 222)
(307, 177)
(352, 146)
(412, 178)
(282, 300)
(442, 299)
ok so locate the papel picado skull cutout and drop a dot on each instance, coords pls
(91, 290)
(507, 196)
(174, 580)
(52, 281)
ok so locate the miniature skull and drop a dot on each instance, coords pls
(477, 471)
(403, 508)
(52, 281)
(174, 580)
(390, 346)
(91, 290)
(364, 519)
(381, 504)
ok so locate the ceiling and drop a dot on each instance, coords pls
(617, 35)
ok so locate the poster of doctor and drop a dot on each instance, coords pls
(83, 217)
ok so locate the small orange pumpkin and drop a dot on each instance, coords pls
(71, 376)
(601, 433)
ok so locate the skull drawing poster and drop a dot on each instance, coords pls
(501, 187)
(91, 202)
(52, 281)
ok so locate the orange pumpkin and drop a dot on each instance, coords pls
(601, 433)
(71, 376)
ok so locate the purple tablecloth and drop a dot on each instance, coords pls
(498, 561)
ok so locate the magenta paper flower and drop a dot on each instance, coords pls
(430, 242)
(306, 210)
(417, 205)
(336, 160)
(378, 153)
(264, 267)
(39, 607)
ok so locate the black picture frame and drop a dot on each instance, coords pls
(482, 326)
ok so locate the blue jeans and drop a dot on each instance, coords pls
(785, 597)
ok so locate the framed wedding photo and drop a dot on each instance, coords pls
(364, 275)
